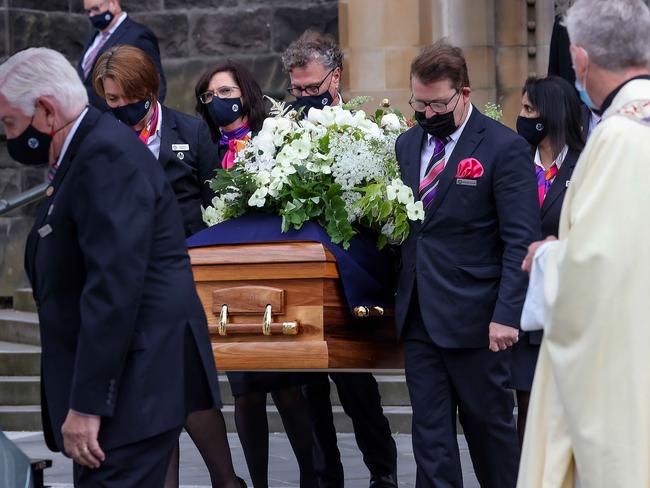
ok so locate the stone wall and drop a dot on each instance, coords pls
(504, 42)
(193, 35)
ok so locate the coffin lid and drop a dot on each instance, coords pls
(261, 253)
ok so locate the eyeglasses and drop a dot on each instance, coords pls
(222, 92)
(311, 90)
(95, 9)
(438, 107)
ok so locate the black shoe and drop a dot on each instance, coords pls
(383, 481)
(242, 483)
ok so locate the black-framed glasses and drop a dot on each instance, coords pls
(221, 92)
(310, 90)
(438, 107)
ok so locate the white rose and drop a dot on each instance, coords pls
(390, 122)
(344, 117)
(415, 210)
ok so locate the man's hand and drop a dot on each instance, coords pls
(532, 249)
(80, 439)
(502, 337)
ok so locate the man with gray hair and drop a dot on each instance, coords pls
(125, 347)
(589, 420)
(314, 62)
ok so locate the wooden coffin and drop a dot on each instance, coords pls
(286, 310)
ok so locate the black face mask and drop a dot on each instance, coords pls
(224, 111)
(440, 126)
(313, 101)
(132, 113)
(101, 21)
(531, 129)
(32, 147)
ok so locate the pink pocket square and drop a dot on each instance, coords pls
(469, 168)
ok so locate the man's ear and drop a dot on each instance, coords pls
(336, 78)
(579, 59)
(49, 109)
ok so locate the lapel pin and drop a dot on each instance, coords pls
(180, 147)
(45, 231)
(50, 191)
(49, 210)
(180, 156)
(566, 185)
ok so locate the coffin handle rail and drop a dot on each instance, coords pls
(223, 328)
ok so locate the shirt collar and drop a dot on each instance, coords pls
(610, 98)
(71, 134)
(454, 136)
(558, 160)
(159, 121)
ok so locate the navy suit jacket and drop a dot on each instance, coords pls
(464, 260)
(552, 209)
(188, 170)
(113, 284)
(134, 34)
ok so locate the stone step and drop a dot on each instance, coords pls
(24, 300)
(20, 418)
(392, 389)
(19, 360)
(20, 390)
(19, 326)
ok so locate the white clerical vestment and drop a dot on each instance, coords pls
(589, 416)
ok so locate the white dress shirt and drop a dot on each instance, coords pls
(427, 150)
(70, 135)
(557, 162)
(153, 143)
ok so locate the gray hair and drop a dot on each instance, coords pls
(615, 33)
(42, 72)
(313, 46)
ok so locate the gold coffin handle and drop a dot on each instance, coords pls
(363, 312)
(267, 320)
(223, 320)
(268, 326)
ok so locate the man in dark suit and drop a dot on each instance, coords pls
(460, 286)
(125, 346)
(314, 63)
(113, 26)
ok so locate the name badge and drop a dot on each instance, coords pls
(180, 147)
(566, 185)
(45, 231)
(466, 182)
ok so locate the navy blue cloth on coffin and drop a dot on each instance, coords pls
(366, 272)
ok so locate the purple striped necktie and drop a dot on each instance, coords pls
(90, 59)
(429, 184)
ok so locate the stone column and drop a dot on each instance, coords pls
(503, 40)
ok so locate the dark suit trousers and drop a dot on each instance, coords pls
(142, 464)
(359, 395)
(472, 382)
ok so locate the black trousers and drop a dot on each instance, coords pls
(472, 382)
(359, 395)
(139, 465)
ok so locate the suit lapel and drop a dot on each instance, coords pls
(559, 184)
(86, 124)
(469, 140)
(168, 136)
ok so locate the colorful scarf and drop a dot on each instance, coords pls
(150, 127)
(235, 140)
(544, 180)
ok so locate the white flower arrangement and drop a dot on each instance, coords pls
(337, 166)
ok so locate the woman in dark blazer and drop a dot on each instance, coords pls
(550, 120)
(231, 102)
(127, 79)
